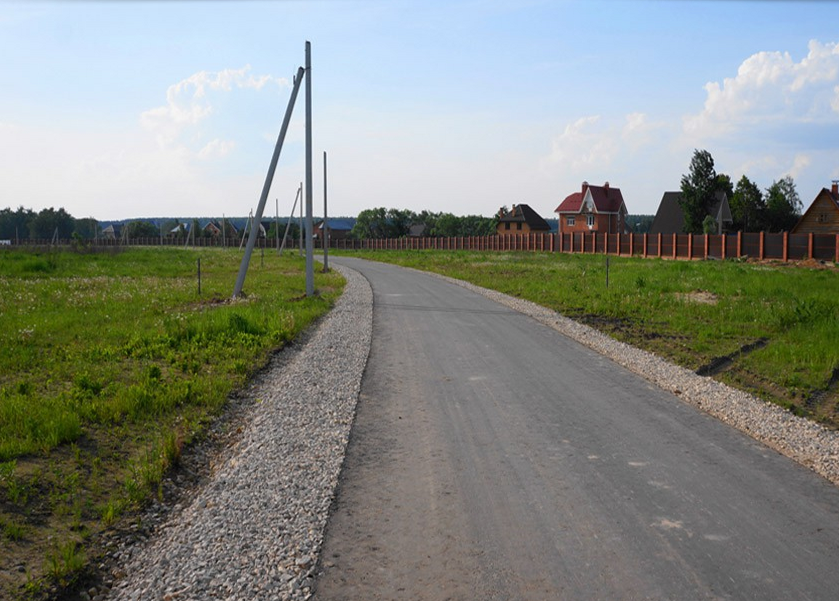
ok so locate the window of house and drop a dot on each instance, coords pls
(506, 225)
(570, 220)
(518, 225)
(590, 220)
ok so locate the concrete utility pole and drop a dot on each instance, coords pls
(310, 251)
(243, 268)
(325, 228)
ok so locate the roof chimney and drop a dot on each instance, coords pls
(585, 185)
(834, 189)
(606, 185)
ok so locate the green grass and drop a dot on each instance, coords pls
(110, 365)
(688, 312)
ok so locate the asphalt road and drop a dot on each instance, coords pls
(493, 458)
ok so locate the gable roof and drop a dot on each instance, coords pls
(832, 195)
(337, 225)
(522, 213)
(670, 219)
(604, 199)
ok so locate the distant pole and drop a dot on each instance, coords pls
(223, 232)
(277, 222)
(325, 228)
(300, 221)
(310, 251)
(290, 219)
(243, 268)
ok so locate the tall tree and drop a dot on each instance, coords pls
(783, 206)
(698, 188)
(15, 224)
(87, 228)
(140, 229)
(49, 221)
(747, 206)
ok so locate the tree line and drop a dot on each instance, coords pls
(752, 210)
(398, 223)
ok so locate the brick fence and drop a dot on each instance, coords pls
(759, 245)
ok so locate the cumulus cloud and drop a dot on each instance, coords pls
(216, 149)
(189, 102)
(589, 143)
(771, 89)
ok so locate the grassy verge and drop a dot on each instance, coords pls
(110, 364)
(689, 312)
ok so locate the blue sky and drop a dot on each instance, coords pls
(171, 109)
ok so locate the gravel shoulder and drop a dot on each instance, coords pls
(254, 530)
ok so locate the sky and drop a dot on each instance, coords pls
(130, 109)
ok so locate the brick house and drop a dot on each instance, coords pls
(822, 216)
(521, 219)
(593, 209)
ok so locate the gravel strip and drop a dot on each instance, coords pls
(810, 444)
(255, 530)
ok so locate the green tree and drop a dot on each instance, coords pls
(709, 225)
(15, 224)
(49, 221)
(783, 206)
(747, 206)
(698, 188)
(87, 228)
(140, 229)
(724, 184)
(383, 223)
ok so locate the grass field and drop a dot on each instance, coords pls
(691, 312)
(110, 364)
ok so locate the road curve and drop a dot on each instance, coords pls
(493, 458)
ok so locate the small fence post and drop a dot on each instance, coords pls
(707, 245)
(810, 245)
(740, 244)
(786, 246)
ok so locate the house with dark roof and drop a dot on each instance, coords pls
(339, 228)
(521, 219)
(822, 216)
(593, 209)
(670, 219)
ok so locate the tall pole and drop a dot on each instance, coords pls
(243, 268)
(310, 264)
(325, 228)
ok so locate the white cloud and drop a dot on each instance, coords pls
(216, 149)
(800, 163)
(188, 102)
(589, 144)
(771, 89)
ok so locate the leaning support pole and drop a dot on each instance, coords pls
(288, 225)
(243, 268)
(310, 251)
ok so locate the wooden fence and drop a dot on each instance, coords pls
(759, 245)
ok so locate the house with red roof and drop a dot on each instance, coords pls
(593, 209)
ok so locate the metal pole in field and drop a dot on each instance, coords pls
(310, 269)
(325, 228)
(243, 268)
(277, 222)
